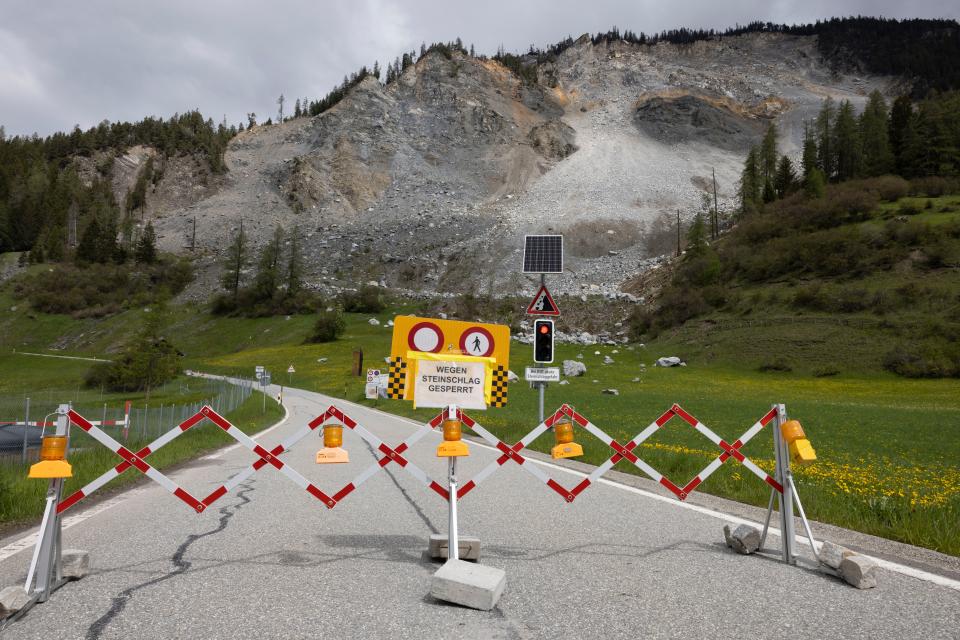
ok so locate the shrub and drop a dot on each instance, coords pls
(934, 186)
(366, 300)
(825, 371)
(779, 364)
(328, 327)
(889, 188)
(926, 360)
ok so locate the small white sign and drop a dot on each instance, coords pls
(290, 369)
(542, 374)
(372, 375)
(259, 371)
(440, 384)
(370, 391)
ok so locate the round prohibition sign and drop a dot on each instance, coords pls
(425, 336)
(476, 341)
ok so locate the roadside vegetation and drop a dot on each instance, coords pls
(21, 498)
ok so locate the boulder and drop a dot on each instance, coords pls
(859, 571)
(611, 392)
(831, 555)
(75, 563)
(607, 360)
(374, 322)
(744, 539)
(669, 361)
(573, 368)
(12, 599)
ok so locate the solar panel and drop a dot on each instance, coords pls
(543, 254)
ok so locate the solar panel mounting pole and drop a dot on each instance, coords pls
(541, 385)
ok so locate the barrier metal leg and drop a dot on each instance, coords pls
(766, 522)
(784, 477)
(803, 518)
(453, 539)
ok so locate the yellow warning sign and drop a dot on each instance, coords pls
(483, 351)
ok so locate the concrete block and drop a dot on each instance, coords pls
(12, 599)
(859, 571)
(744, 539)
(439, 547)
(75, 563)
(831, 555)
(468, 584)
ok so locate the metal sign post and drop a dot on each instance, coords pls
(453, 538)
(26, 428)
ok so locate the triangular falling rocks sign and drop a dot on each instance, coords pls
(543, 304)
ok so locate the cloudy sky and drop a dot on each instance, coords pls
(67, 62)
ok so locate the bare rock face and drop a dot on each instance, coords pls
(692, 118)
(553, 139)
(430, 182)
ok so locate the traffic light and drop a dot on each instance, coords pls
(543, 341)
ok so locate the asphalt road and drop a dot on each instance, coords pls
(270, 561)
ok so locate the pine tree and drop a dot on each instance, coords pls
(900, 116)
(809, 150)
(236, 261)
(847, 134)
(294, 266)
(87, 249)
(296, 109)
(815, 185)
(768, 155)
(750, 183)
(877, 156)
(268, 277)
(825, 138)
(786, 177)
(697, 237)
(146, 249)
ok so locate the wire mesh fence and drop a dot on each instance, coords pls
(22, 418)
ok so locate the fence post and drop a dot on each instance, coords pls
(26, 428)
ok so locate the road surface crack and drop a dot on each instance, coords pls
(181, 566)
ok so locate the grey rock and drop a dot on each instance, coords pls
(75, 562)
(744, 539)
(562, 382)
(607, 360)
(832, 555)
(611, 392)
(468, 584)
(859, 571)
(573, 368)
(374, 322)
(669, 361)
(12, 599)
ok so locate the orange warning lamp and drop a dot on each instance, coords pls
(333, 451)
(53, 450)
(566, 447)
(452, 446)
(801, 451)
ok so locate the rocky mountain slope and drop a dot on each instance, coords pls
(430, 183)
